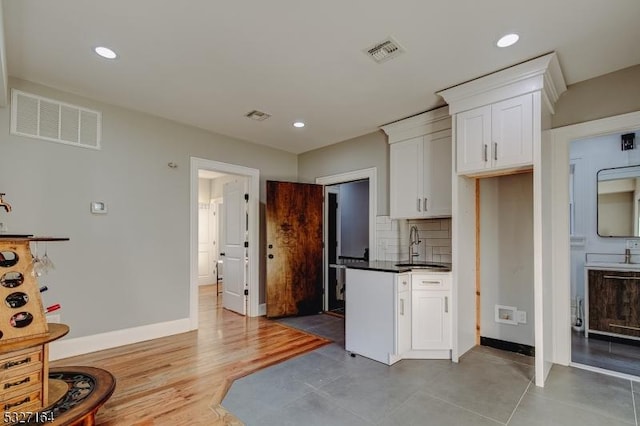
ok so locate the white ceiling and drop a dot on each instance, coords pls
(207, 63)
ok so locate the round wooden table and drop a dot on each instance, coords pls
(87, 389)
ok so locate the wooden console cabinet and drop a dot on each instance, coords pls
(612, 302)
(24, 369)
(24, 332)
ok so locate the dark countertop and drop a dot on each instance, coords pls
(392, 266)
(29, 237)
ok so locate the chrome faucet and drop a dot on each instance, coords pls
(414, 240)
(6, 206)
(627, 255)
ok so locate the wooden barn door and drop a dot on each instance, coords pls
(294, 249)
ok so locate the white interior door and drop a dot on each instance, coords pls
(235, 252)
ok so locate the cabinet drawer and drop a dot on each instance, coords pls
(404, 283)
(25, 360)
(22, 381)
(429, 282)
(31, 400)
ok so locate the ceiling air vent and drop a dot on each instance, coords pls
(257, 115)
(384, 50)
(42, 118)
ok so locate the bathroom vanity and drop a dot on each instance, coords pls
(612, 300)
(396, 312)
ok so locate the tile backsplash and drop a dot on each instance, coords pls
(392, 239)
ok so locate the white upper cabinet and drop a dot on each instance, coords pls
(406, 178)
(436, 174)
(497, 136)
(420, 166)
(473, 131)
(499, 117)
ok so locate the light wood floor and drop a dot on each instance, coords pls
(181, 379)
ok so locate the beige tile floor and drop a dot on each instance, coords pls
(488, 387)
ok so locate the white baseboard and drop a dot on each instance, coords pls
(262, 309)
(66, 348)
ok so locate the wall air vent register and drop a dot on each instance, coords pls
(42, 118)
(257, 115)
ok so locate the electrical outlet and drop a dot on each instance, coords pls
(633, 244)
(522, 317)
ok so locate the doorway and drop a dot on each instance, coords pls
(250, 229)
(603, 184)
(353, 246)
(560, 140)
(222, 233)
(347, 236)
(209, 229)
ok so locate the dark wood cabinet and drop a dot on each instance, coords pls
(614, 302)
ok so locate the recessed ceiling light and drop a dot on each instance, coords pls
(298, 124)
(507, 40)
(105, 52)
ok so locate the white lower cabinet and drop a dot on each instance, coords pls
(403, 326)
(391, 316)
(431, 315)
(370, 314)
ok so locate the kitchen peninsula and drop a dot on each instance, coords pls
(398, 310)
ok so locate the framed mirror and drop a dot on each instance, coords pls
(619, 202)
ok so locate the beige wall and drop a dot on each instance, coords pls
(371, 150)
(129, 267)
(506, 253)
(604, 96)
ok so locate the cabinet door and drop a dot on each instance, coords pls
(430, 319)
(614, 302)
(403, 331)
(406, 179)
(473, 137)
(437, 175)
(512, 132)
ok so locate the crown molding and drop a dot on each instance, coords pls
(422, 124)
(539, 74)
